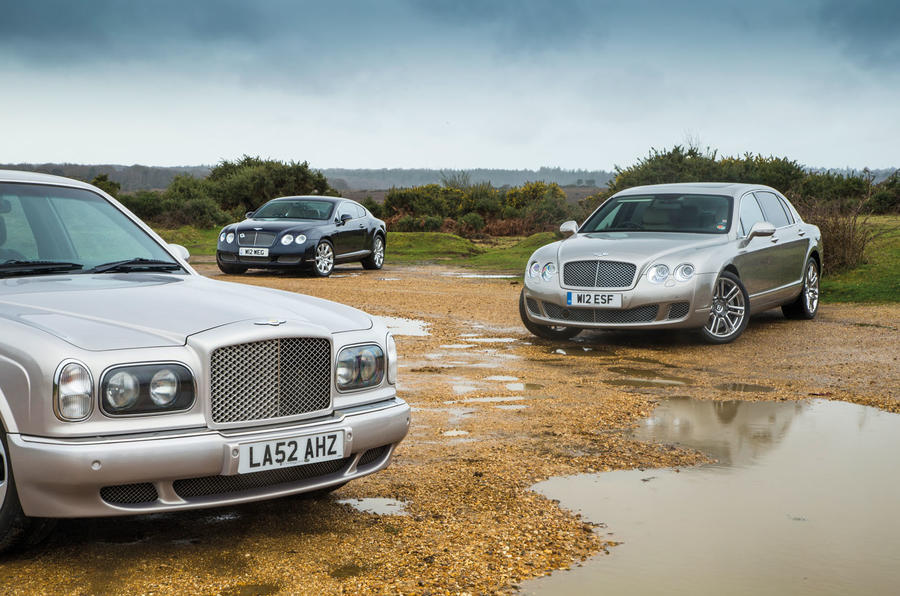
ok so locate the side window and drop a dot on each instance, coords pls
(360, 212)
(787, 210)
(16, 236)
(346, 209)
(773, 210)
(750, 213)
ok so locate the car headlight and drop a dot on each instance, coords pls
(683, 272)
(548, 271)
(222, 237)
(73, 389)
(300, 239)
(229, 237)
(658, 274)
(534, 269)
(146, 389)
(287, 239)
(359, 367)
(391, 360)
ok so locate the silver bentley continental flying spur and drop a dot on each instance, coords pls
(131, 384)
(701, 255)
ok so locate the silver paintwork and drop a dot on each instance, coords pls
(106, 320)
(770, 262)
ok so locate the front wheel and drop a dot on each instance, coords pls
(376, 259)
(807, 303)
(729, 311)
(551, 332)
(324, 264)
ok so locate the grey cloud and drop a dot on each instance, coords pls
(868, 29)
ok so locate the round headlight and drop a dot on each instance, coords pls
(163, 387)
(392, 359)
(73, 392)
(222, 237)
(548, 271)
(287, 239)
(122, 390)
(658, 274)
(534, 269)
(300, 239)
(684, 272)
(229, 238)
(367, 365)
(346, 370)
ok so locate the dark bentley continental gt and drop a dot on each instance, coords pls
(303, 233)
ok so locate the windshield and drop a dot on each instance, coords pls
(695, 214)
(295, 209)
(73, 227)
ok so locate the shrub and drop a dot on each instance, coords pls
(374, 207)
(470, 224)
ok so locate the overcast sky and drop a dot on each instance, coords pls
(447, 83)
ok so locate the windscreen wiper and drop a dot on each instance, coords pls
(15, 267)
(138, 264)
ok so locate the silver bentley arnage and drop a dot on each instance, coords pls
(701, 255)
(131, 384)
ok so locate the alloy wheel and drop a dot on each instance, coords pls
(378, 251)
(728, 309)
(324, 258)
(4, 474)
(811, 289)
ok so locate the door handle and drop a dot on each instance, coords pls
(801, 233)
(774, 240)
(362, 225)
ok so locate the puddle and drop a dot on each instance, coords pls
(491, 400)
(745, 387)
(802, 501)
(401, 326)
(378, 506)
(523, 386)
(455, 433)
(460, 388)
(512, 407)
(501, 378)
(494, 340)
(457, 346)
(388, 279)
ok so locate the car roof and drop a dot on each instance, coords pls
(733, 189)
(316, 197)
(39, 178)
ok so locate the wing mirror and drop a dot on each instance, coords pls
(760, 228)
(569, 227)
(344, 219)
(180, 252)
(249, 214)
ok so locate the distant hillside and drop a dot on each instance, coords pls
(358, 179)
(131, 178)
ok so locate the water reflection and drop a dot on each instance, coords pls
(802, 501)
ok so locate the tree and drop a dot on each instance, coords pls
(103, 182)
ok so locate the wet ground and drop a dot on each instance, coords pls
(495, 411)
(801, 500)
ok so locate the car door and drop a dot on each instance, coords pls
(787, 250)
(349, 235)
(755, 259)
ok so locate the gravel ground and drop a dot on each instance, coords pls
(495, 410)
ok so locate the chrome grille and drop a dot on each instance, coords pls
(254, 238)
(641, 314)
(129, 494)
(270, 379)
(598, 274)
(678, 310)
(220, 485)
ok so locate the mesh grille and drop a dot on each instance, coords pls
(533, 306)
(598, 274)
(678, 310)
(219, 485)
(129, 494)
(641, 314)
(373, 455)
(270, 379)
(254, 238)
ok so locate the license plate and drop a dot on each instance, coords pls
(253, 252)
(594, 299)
(292, 451)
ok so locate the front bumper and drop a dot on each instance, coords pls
(279, 257)
(92, 477)
(645, 306)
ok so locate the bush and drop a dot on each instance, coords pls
(470, 224)
(374, 207)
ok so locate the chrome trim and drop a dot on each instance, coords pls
(56, 375)
(109, 369)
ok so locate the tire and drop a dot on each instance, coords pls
(16, 529)
(376, 259)
(807, 303)
(550, 332)
(323, 264)
(230, 269)
(729, 310)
